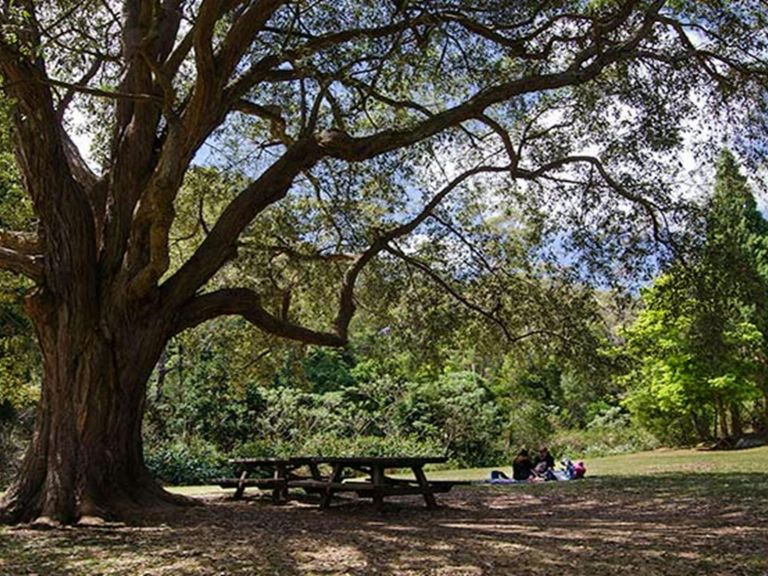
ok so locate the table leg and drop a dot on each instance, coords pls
(333, 479)
(241, 485)
(280, 490)
(379, 480)
(429, 498)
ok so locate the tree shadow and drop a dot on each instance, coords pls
(668, 524)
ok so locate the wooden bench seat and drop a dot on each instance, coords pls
(249, 482)
(396, 488)
(277, 485)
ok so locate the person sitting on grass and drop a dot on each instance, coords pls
(522, 469)
(574, 471)
(522, 466)
(543, 462)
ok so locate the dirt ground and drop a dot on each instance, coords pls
(670, 525)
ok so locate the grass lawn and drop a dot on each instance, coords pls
(663, 461)
(671, 512)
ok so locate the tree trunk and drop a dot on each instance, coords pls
(701, 426)
(723, 419)
(737, 426)
(85, 459)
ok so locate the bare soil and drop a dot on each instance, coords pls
(673, 525)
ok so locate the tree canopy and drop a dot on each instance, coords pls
(442, 135)
(700, 343)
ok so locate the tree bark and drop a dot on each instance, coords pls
(723, 419)
(701, 426)
(86, 459)
(737, 426)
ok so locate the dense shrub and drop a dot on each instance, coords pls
(610, 431)
(322, 445)
(15, 431)
(186, 462)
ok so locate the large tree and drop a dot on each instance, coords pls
(698, 347)
(343, 98)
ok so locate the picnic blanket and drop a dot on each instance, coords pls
(571, 472)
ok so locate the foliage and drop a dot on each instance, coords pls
(698, 349)
(314, 168)
(190, 462)
(19, 357)
(610, 432)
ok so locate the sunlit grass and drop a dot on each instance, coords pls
(664, 461)
(662, 507)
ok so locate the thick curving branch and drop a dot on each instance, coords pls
(197, 310)
(651, 208)
(221, 244)
(246, 303)
(27, 243)
(148, 248)
(21, 263)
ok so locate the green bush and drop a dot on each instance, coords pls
(185, 463)
(328, 445)
(15, 433)
(602, 441)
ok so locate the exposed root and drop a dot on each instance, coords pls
(128, 502)
(45, 523)
(97, 522)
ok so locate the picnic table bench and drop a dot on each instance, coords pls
(374, 483)
(280, 471)
(377, 485)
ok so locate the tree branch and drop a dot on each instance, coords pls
(650, 207)
(26, 243)
(70, 93)
(19, 263)
(221, 244)
(346, 300)
(450, 290)
(246, 303)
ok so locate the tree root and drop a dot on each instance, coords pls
(106, 510)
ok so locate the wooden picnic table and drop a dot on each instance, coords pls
(377, 485)
(374, 483)
(280, 471)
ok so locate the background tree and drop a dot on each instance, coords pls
(699, 344)
(356, 121)
(19, 357)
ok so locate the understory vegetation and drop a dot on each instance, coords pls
(650, 513)
(682, 362)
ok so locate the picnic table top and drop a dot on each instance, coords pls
(386, 461)
(270, 461)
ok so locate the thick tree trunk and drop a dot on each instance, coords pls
(85, 460)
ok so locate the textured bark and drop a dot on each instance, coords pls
(737, 425)
(722, 414)
(103, 307)
(86, 459)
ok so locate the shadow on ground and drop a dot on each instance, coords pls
(682, 524)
